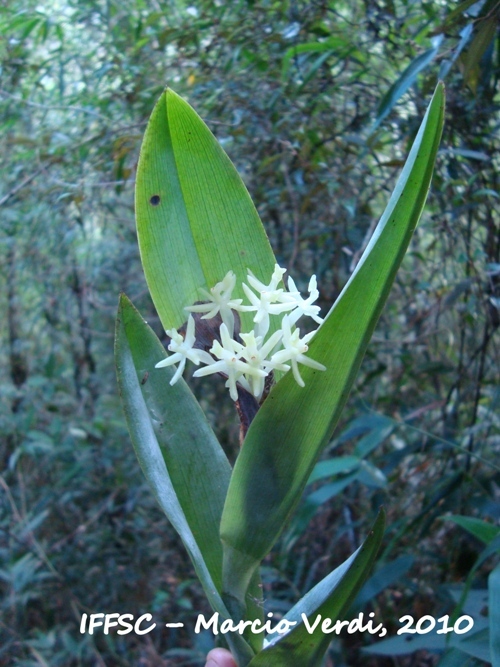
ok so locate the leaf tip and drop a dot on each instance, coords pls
(123, 301)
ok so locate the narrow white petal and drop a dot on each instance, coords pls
(253, 298)
(292, 287)
(256, 284)
(204, 357)
(212, 313)
(200, 307)
(296, 374)
(271, 343)
(216, 367)
(172, 359)
(178, 372)
(257, 387)
(244, 383)
(280, 357)
(308, 337)
(190, 335)
(307, 361)
(231, 383)
(228, 319)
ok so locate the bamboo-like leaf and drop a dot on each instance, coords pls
(485, 36)
(457, 13)
(484, 531)
(195, 218)
(446, 64)
(407, 79)
(334, 45)
(330, 599)
(295, 423)
(179, 454)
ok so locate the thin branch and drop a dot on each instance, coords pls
(48, 107)
(21, 185)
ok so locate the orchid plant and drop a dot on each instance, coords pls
(222, 300)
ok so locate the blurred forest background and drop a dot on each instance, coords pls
(316, 103)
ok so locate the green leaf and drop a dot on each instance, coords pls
(387, 575)
(407, 79)
(167, 424)
(483, 530)
(457, 12)
(494, 609)
(179, 454)
(329, 599)
(295, 423)
(310, 506)
(373, 439)
(336, 466)
(446, 64)
(332, 45)
(195, 218)
(485, 35)
(455, 15)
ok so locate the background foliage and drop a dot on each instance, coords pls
(316, 103)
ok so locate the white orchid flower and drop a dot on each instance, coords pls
(183, 349)
(229, 353)
(294, 349)
(269, 301)
(219, 301)
(255, 355)
(304, 306)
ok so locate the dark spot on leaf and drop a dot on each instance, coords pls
(145, 378)
(155, 200)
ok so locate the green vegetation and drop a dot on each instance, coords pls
(317, 105)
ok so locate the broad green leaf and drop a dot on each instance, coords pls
(179, 454)
(407, 79)
(295, 423)
(195, 218)
(494, 614)
(329, 599)
(174, 428)
(483, 530)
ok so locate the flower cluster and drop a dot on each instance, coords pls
(246, 359)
